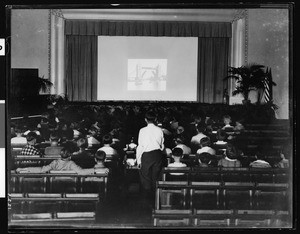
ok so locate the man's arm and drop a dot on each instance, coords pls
(140, 148)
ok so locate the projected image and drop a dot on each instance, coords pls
(147, 74)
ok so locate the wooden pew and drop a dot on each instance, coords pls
(177, 218)
(213, 218)
(47, 178)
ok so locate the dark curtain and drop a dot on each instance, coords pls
(81, 68)
(212, 68)
(81, 52)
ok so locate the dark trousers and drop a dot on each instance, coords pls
(152, 163)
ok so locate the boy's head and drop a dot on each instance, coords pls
(54, 137)
(31, 138)
(67, 150)
(107, 139)
(231, 151)
(100, 156)
(82, 143)
(205, 141)
(200, 127)
(204, 158)
(179, 140)
(221, 135)
(177, 154)
(18, 131)
(150, 117)
(226, 119)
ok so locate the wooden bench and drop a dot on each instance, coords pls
(177, 218)
(48, 178)
(59, 200)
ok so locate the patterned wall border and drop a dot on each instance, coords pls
(49, 44)
(243, 14)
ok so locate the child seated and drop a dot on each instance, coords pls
(62, 164)
(205, 159)
(18, 140)
(179, 142)
(230, 159)
(54, 148)
(30, 148)
(260, 161)
(227, 123)
(82, 157)
(177, 154)
(205, 147)
(283, 163)
(100, 157)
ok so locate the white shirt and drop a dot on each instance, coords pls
(196, 139)
(185, 149)
(18, 140)
(206, 149)
(150, 138)
(108, 150)
(177, 164)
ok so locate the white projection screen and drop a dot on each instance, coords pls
(147, 68)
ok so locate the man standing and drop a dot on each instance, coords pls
(149, 154)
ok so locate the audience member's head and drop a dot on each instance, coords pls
(205, 141)
(204, 159)
(221, 135)
(100, 156)
(227, 120)
(231, 151)
(18, 131)
(67, 150)
(180, 130)
(31, 138)
(107, 139)
(82, 143)
(200, 128)
(150, 117)
(54, 139)
(177, 154)
(179, 140)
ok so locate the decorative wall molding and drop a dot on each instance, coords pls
(49, 45)
(239, 14)
(246, 34)
(57, 13)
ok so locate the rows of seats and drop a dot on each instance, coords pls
(58, 219)
(56, 202)
(218, 174)
(221, 218)
(196, 195)
(59, 181)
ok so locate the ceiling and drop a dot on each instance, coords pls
(208, 15)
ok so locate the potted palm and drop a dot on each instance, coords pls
(249, 77)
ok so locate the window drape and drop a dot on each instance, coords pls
(81, 52)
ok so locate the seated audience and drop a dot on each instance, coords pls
(43, 128)
(65, 133)
(93, 137)
(62, 164)
(230, 157)
(83, 158)
(30, 148)
(100, 157)
(177, 154)
(205, 159)
(18, 139)
(179, 143)
(227, 124)
(283, 163)
(107, 141)
(195, 141)
(260, 161)
(239, 127)
(54, 148)
(205, 146)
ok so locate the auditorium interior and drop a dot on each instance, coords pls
(94, 72)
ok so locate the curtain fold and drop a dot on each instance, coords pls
(81, 52)
(81, 68)
(148, 28)
(212, 68)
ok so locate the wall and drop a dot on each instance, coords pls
(268, 45)
(29, 40)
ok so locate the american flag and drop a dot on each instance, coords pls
(268, 91)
